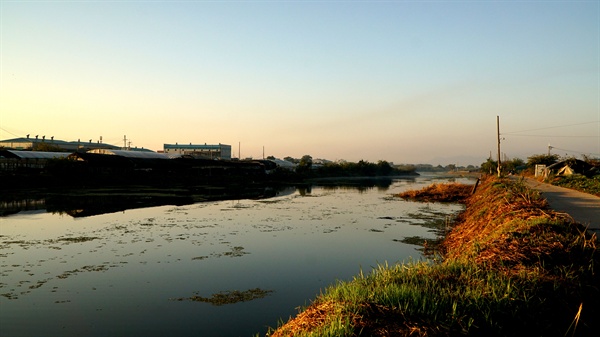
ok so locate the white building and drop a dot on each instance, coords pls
(220, 151)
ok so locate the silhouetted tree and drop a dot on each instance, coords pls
(489, 167)
(305, 164)
(542, 159)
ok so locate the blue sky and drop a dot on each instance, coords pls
(403, 81)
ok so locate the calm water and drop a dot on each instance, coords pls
(119, 274)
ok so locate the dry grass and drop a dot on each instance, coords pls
(306, 321)
(374, 320)
(453, 192)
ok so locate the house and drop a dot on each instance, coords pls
(569, 167)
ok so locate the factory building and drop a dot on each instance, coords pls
(220, 151)
(44, 144)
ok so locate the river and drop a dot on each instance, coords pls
(155, 271)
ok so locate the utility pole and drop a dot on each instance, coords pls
(498, 132)
(124, 142)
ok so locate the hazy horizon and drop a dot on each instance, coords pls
(402, 81)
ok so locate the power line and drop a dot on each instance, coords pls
(551, 127)
(3, 129)
(553, 136)
(557, 148)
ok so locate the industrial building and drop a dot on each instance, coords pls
(11, 160)
(42, 143)
(220, 151)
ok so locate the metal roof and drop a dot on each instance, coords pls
(34, 154)
(130, 154)
(283, 163)
(195, 146)
(58, 142)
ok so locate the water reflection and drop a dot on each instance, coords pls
(11, 206)
(101, 201)
(83, 203)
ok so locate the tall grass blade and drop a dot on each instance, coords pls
(575, 321)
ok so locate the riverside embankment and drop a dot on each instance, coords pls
(510, 266)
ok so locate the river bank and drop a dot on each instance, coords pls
(510, 266)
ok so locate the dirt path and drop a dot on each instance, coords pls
(582, 207)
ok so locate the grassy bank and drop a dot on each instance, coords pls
(509, 267)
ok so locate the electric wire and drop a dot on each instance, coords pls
(553, 136)
(3, 129)
(551, 127)
(558, 148)
(519, 134)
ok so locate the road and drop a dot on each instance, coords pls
(582, 207)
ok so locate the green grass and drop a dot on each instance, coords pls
(580, 183)
(457, 298)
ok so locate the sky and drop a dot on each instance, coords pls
(402, 81)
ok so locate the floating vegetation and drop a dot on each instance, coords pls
(269, 201)
(236, 252)
(228, 297)
(10, 296)
(413, 240)
(14, 242)
(82, 269)
(271, 228)
(79, 239)
(65, 240)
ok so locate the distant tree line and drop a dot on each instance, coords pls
(305, 166)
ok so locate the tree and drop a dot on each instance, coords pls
(542, 159)
(291, 160)
(384, 168)
(489, 166)
(592, 161)
(512, 165)
(305, 164)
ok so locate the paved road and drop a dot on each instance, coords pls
(582, 207)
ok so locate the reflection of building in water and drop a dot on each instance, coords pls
(8, 207)
(220, 151)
